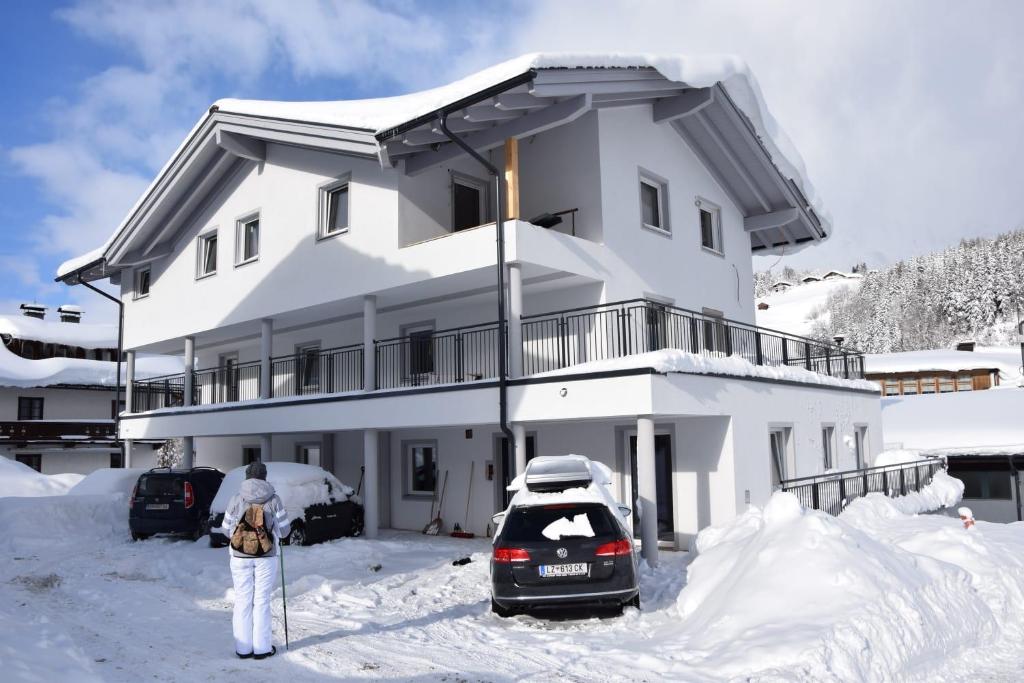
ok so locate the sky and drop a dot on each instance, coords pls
(908, 114)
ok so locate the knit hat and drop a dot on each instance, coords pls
(256, 470)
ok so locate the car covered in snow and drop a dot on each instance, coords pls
(173, 501)
(563, 541)
(320, 508)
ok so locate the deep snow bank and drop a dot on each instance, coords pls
(875, 594)
(18, 479)
(28, 525)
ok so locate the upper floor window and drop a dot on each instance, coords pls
(30, 408)
(247, 239)
(653, 204)
(828, 446)
(334, 209)
(206, 263)
(710, 217)
(469, 202)
(142, 279)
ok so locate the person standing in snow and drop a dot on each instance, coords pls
(255, 520)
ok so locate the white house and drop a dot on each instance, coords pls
(329, 272)
(58, 391)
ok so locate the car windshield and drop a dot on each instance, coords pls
(156, 485)
(557, 522)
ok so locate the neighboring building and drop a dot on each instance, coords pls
(327, 271)
(941, 371)
(781, 286)
(810, 278)
(836, 275)
(58, 398)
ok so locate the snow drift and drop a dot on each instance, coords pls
(18, 479)
(31, 525)
(108, 481)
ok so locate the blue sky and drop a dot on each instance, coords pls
(906, 113)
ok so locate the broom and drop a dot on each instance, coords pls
(434, 528)
(459, 532)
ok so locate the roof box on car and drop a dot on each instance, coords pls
(557, 473)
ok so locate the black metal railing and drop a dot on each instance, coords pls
(167, 391)
(831, 492)
(317, 371)
(226, 383)
(462, 354)
(552, 341)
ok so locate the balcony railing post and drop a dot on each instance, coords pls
(842, 491)
(865, 482)
(758, 352)
(459, 375)
(814, 495)
(728, 338)
(785, 351)
(563, 343)
(828, 361)
(694, 336)
(903, 481)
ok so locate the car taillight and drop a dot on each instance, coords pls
(506, 555)
(189, 498)
(135, 492)
(622, 546)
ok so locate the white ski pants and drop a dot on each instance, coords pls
(254, 580)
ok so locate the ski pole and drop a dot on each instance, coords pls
(284, 601)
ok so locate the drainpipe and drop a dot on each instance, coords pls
(499, 226)
(120, 352)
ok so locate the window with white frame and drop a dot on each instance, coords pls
(142, 279)
(206, 252)
(247, 239)
(469, 202)
(653, 211)
(334, 208)
(779, 440)
(860, 444)
(420, 467)
(828, 446)
(710, 218)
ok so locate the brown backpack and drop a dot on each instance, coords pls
(250, 535)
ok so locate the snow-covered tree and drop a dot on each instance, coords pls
(170, 454)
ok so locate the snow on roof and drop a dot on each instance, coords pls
(1006, 360)
(70, 308)
(382, 113)
(16, 371)
(797, 309)
(86, 335)
(964, 420)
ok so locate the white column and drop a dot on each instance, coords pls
(266, 452)
(647, 489)
(519, 435)
(188, 452)
(129, 374)
(371, 504)
(127, 453)
(369, 334)
(266, 349)
(190, 365)
(515, 323)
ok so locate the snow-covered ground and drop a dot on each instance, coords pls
(797, 309)
(779, 594)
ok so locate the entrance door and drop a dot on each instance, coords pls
(663, 470)
(508, 464)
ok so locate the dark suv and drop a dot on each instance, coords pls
(562, 554)
(168, 501)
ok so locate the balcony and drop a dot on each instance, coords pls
(551, 341)
(68, 431)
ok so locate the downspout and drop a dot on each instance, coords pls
(499, 226)
(120, 353)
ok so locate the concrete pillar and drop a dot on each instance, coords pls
(371, 503)
(127, 453)
(266, 448)
(266, 349)
(369, 334)
(519, 447)
(647, 489)
(190, 366)
(188, 452)
(515, 323)
(129, 383)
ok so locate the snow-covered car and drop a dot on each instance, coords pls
(172, 501)
(563, 541)
(320, 507)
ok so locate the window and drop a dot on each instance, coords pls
(419, 354)
(984, 484)
(779, 444)
(116, 460)
(247, 240)
(892, 387)
(710, 217)
(652, 204)
(142, 279)
(30, 408)
(469, 204)
(828, 446)
(963, 383)
(860, 445)
(334, 208)
(307, 359)
(308, 453)
(250, 454)
(946, 384)
(420, 467)
(33, 460)
(927, 385)
(207, 255)
(716, 333)
(910, 386)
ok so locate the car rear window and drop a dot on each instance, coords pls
(554, 522)
(153, 485)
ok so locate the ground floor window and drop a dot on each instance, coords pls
(779, 444)
(33, 460)
(250, 454)
(420, 467)
(116, 460)
(984, 484)
(860, 445)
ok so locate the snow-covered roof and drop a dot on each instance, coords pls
(1006, 360)
(16, 371)
(86, 335)
(957, 421)
(380, 115)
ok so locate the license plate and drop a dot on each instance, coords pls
(571, 569)
(157, 506)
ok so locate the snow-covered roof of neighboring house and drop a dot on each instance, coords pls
(86, 335)
(834, 274)
(1004, 359)
(782, 283)
(16, 371)
(982, 421)
(810, 278)
(678, 76)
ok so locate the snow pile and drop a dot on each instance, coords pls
(86, 335)
(298, 486)
(897, 456)
(30, 525)
(16, 371)
(676, 360)
(20, 480)
(875, 594)
(108, 481)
